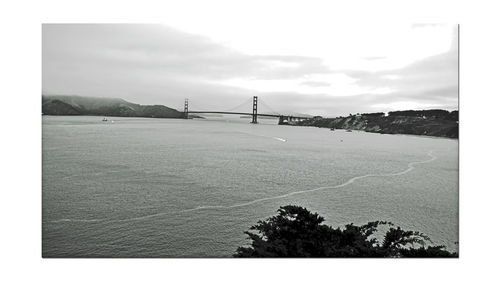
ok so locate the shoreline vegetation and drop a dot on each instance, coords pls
(296, 232)
(435, 122)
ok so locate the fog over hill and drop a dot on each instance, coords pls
(79, 105)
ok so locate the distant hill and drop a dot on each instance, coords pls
(78, 105)
(57, 107)
(435, 122)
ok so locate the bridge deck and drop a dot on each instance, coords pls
(246, 113)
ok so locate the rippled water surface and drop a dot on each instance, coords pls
(139, 187)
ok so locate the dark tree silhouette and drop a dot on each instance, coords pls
(296, 232)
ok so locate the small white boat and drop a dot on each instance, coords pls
(104, 119)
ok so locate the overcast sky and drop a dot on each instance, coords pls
(322, 69)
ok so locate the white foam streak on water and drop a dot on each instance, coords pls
(411, 166)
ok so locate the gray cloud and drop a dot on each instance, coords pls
(432, 80)
(153, 64)
(158, 48)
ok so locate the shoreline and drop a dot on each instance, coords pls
(295, 125)
(395, 134)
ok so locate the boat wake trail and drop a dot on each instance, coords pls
(280, 139)
(411, 166)
(263, 136)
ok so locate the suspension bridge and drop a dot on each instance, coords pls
(283, 118)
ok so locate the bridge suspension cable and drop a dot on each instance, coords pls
(193, 106)
(268, 111)
(246, 106)
(267, 107)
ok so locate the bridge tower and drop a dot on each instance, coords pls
(186, 109)
(254, 110)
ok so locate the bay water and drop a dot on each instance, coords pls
(143, 187)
